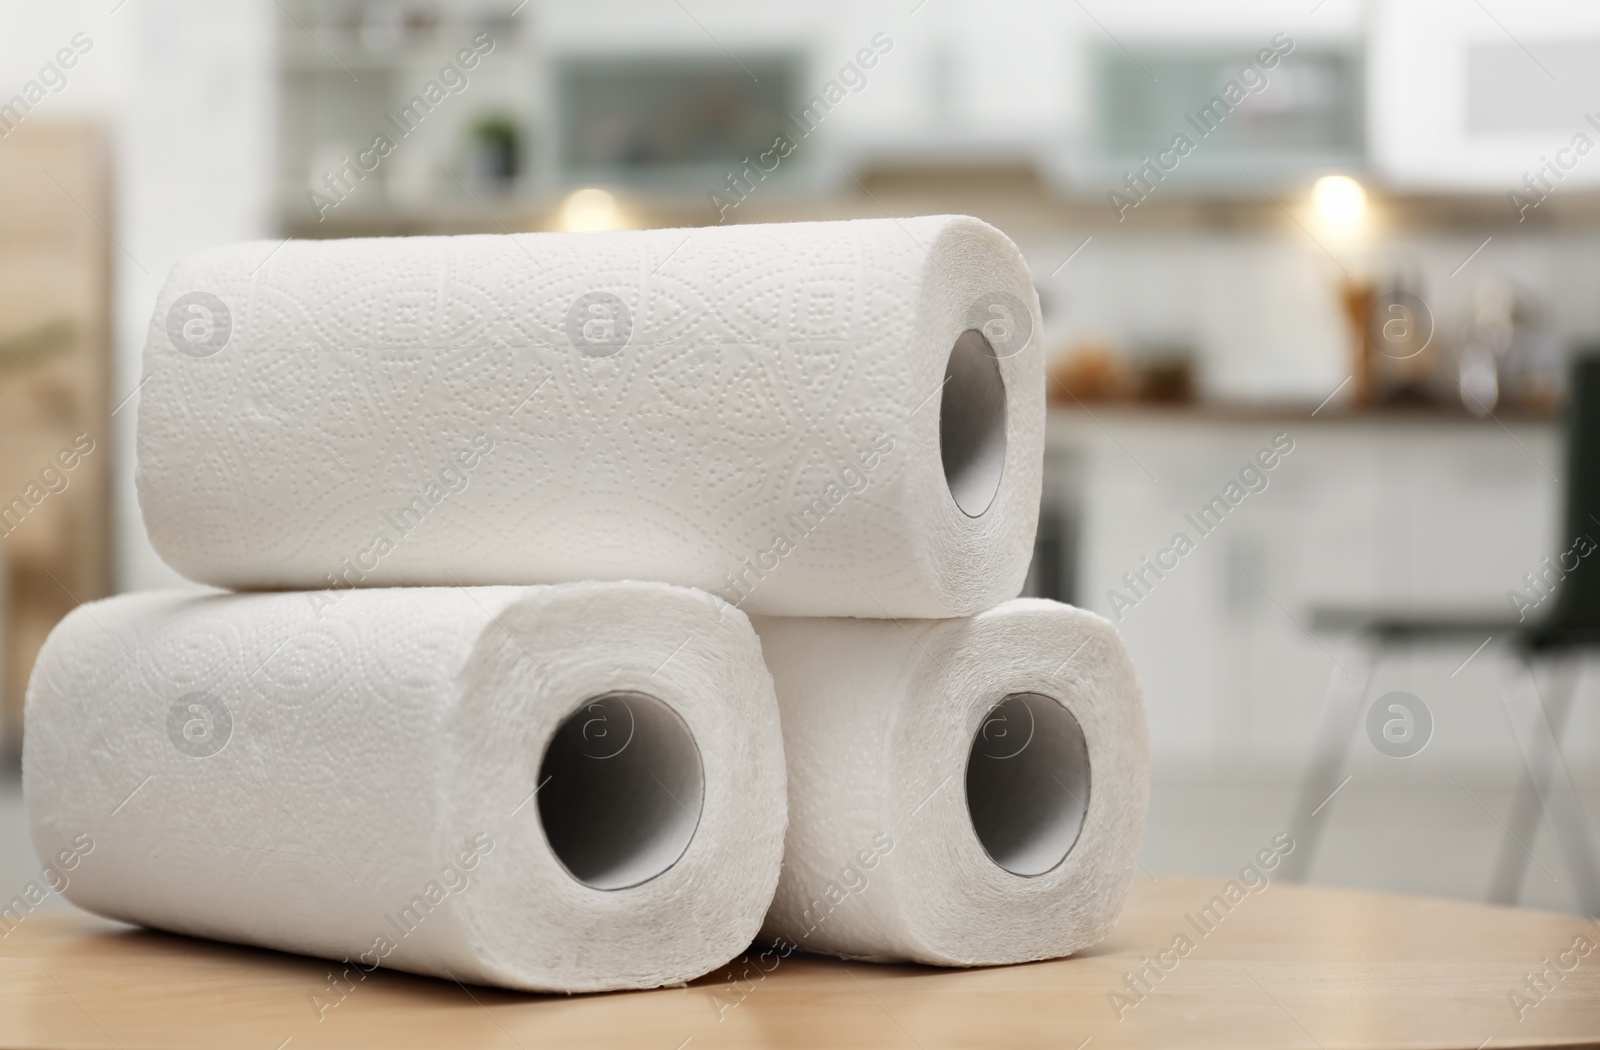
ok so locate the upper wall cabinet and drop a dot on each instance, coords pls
(1202, 100)
(669, 98)
(964, 82)
(385, 106)
(391, 104)
(1218, 116)
(1486, 97)
(852, 84)
(671, 120)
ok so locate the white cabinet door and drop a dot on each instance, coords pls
(1388, 516)
(967, 80)
(1478, 96)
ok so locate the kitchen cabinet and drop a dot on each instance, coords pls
(934, 83)
(1476, 97)
(967, 83)
(1371, 511)
(382, 106)
(1147, 78)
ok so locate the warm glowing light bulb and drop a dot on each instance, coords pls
(590, 209)
(1339, 199)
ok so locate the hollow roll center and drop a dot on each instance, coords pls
(1028, 783)
(622, 787)
(972, 423)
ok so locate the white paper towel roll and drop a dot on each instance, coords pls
(961, 792)
(841, 418)
(361, 785)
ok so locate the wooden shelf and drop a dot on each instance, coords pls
(1290, 966)
(1299, 413)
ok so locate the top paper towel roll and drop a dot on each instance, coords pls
(836, 418)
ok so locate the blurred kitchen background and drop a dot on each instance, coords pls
(1373, 227)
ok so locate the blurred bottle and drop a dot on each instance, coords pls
(1355, 297)
(1164, 370)
(1508, 356)
(1091, 370)
(1402, 365)
(1488, 337)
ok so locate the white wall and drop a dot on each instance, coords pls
(195, 168)
(35, 32)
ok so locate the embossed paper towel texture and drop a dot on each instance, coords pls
(882, 861)
(750, 410)
(349, 762)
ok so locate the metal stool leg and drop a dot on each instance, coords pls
(1558, 798)
(1523, 821)
(1341, 713)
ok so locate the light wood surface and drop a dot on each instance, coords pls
(55, 376)
(1289, 966)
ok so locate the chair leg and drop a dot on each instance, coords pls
(1523, 822)
(1558, 797)
(1341, 713)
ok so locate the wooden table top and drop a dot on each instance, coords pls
(1289, 966)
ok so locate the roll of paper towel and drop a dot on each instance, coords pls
(961, 792)
(568, 788)
(837, 418)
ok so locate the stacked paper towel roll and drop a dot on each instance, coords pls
(369, 783)
(807, 419)
(467, 745)
(960, 791)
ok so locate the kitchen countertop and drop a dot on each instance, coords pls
(1285, 966)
